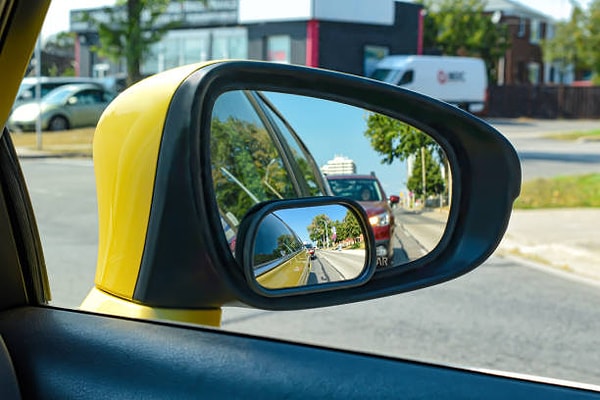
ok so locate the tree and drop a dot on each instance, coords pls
(591, 39)
(129, 30)
(58, 55)
(567, 49)
(462, 28)
(434, 183)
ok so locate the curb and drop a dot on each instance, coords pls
(24, 153)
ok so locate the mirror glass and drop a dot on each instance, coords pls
(308, 246)
(267, 146)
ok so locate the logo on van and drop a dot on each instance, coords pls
(455, 76)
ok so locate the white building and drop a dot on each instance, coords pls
(340, 165)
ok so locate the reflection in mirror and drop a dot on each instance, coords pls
(267, 146)
(308, 246)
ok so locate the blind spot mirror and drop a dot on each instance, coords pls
(307, 247)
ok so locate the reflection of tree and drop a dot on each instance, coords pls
(434, 183)
(246, 152)
(287, 244)
(309, 175)
(321, 228)
(349, 228)
(394, 139)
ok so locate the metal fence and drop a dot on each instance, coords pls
(536, 101)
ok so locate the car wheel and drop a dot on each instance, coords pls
(58, 123)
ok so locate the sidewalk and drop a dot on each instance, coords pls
(564, 239)
(75, 152)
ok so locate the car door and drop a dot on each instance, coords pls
(86, 106)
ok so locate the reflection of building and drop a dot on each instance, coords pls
(340, 165)
(343, 35)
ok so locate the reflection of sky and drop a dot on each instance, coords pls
(300, 218)
(329, 129)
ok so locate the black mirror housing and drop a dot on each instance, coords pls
(186, 261)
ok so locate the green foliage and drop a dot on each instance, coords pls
(434, 183)
(58, 54)
(568, 46)
(591, 135)
(244, 152)
(393, 139)
(321, 228)
(562, 191)
(461, 28)
(591, 39)
(130, 29)
(577, 42)
(60, 43)
(350, 227)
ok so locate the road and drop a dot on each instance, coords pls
(542, 157)
(504, 315)
(335, 266)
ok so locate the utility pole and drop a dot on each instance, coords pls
(423, 176)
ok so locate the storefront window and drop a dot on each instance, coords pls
(278, 48)
(372, 55)
(183, 47)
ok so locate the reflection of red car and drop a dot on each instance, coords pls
(311, 250)
(367, 190)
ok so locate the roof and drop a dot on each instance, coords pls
(512, 8)
(515, 8)
(351, 176)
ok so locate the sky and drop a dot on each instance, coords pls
(57, 19)
(330, 129)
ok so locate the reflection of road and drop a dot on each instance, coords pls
(416, 234)
(333, 266)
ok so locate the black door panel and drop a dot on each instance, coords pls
(69, 354)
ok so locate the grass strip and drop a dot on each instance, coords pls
(560, 192)
(593, 135)
(62, 142)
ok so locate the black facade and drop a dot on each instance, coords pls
(342, 46)
(258, 34)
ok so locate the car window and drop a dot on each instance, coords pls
(407, 77)
(308, 172)
(58, 95)
(89, 97)
(357, 189)
(106, 97)
(275, 241)
(247, 166)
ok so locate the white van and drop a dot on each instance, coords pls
(461, 81)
